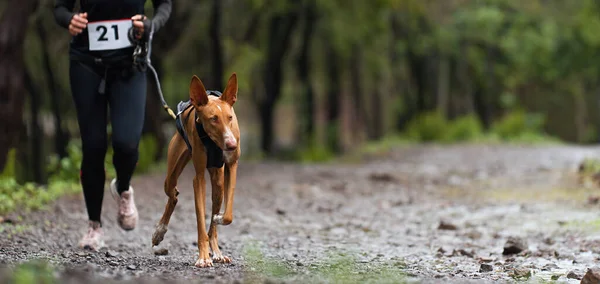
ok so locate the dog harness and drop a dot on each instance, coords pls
(214, 154)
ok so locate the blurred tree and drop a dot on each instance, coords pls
(33, 158)
(307, 96)
(334, 93)
(216, 46)
(13, 27)
(61, 136)
(280, 26)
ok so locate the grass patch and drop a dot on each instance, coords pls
(336, 268)
(36, 271)
(345, 268)
(590, 226)
(259, 266)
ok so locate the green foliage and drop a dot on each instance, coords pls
(465, 128)
(147, 151)
(427, 127)
(589, 166)
(516, 126)
(67, 168)
(518, 123)
(29, 196)
(314, 153)
(9, 168)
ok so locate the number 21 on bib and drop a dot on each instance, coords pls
(109, 35)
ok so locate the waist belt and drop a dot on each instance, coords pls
(118, 61)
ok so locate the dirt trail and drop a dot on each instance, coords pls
(384, 215)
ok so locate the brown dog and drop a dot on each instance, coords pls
(215, 122)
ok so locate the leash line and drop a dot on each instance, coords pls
(149, 64)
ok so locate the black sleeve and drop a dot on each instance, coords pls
(63, 12)
(162, 12)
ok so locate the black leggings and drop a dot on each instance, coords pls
(125, 95)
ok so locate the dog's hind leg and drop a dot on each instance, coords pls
(216, 179)
(177, 158)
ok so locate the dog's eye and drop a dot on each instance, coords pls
(214, 118)
(230, 118)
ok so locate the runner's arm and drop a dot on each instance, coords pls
(162, 12)
(63, 12)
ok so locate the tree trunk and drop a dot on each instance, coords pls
(482, 93)
(36, 133)
(579, 103)
(378, 115)
(400, 87)
(61, 137)
(466, 85)
(358, 103)
(280, 30)
(13, 27)
(266, 122)
(417, 70)
(443, 85)
(216, 47)
(307, 97)
(333, 101)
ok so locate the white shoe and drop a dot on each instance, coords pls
(127, 215)
(93, 239)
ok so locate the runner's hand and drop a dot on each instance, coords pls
(138, 25)
(78, 23)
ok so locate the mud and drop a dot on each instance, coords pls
(426, 214)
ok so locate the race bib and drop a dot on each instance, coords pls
(108, 35)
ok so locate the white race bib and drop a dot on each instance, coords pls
(108, 35)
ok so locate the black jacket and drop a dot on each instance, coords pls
(99, 10)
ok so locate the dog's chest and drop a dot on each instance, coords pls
(228, 155)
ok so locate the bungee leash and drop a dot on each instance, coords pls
(142, 61)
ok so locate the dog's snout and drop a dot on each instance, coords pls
(230, 144)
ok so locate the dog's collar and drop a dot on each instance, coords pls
(199, 127)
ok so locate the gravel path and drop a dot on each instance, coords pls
(428, 214)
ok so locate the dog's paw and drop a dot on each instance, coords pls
(202, 263)
(221, 259)
(218, 219)
(159, 234)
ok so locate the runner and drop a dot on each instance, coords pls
(102, 76)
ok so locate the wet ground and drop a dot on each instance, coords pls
(426, 214)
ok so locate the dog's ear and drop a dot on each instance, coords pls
(230, 93)
(198, 94)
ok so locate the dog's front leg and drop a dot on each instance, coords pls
(200, 201)
(216, 179)
(230, 180)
